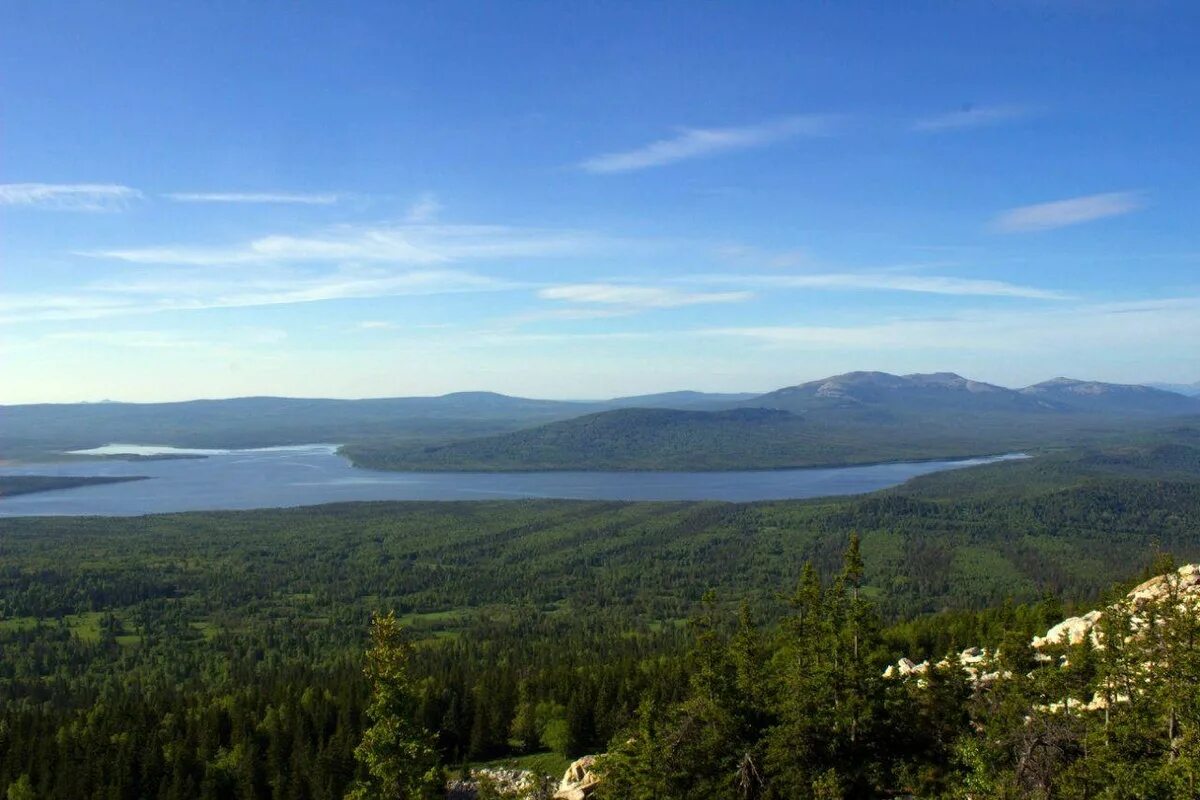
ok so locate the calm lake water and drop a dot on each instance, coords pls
(311, 474)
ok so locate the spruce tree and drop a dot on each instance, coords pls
(396, 753)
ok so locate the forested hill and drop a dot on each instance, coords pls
(219, 655)
(28, 484)
(858, 417)
(637, 438)
(756, 438)
(40, 429)
(855, 417)
(269, 421)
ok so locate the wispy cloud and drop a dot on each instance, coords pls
(1061, 213)
(969, 117)
(309, 199)
(399, 244)
(701, 142)
(364, 246)
(637, 297)
(69, 196)
(888, 281)
(204, 289)
(424, 210)
(1083, 327)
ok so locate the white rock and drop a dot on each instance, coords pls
(579, 782)
(1070, 631)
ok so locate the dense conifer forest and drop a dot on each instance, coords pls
(221, 654)
(28, 484)
(550, 400)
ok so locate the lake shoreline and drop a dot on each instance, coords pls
(310, 476)
(484, 470)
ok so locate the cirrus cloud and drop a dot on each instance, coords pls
(69, 196)
(1062, 213)
(633, 296)
(1134, 327)
(888, 282)
(196, 290)
(293, 198)
(701, 142)
(401, 244)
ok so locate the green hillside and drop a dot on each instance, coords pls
(28, 484)
(638, 438)
(853, 418)
(223, 649)
(31, 431)
(847, 419)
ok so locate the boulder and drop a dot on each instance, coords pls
(1144, 604)
(1150, 590)
(1186, 581)
(1070, 631)
(579, 782)
(509, 782)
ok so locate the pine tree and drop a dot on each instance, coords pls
(797, 746)
(831, 693)
(20, 789)
(396, 753)
(707, 745)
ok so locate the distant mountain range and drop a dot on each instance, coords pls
(32, 431)
(1189, 389)
(851, 418)
(946, 391)
(858, 416)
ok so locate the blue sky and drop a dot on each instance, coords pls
(592, 199)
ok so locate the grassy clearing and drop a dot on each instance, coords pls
(207, 629)
(86, 626)
(553, 764)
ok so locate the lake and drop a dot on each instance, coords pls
(312, 474)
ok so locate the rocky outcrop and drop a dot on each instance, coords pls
(1183, 585)
(974, 661)
(579, 782)
(1187, 584)
(1071, 631)
(513, 783)
(1179, 590)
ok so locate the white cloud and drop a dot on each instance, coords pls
(1098, 328)
(701, 142)
(969, 117)
(637, 296)
(367, 246)
(1061, 213)
(343, 262)
(400, 244)
(424, 210)
(197, 290)
(68, 196)
(888, 281)
(321, 199)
